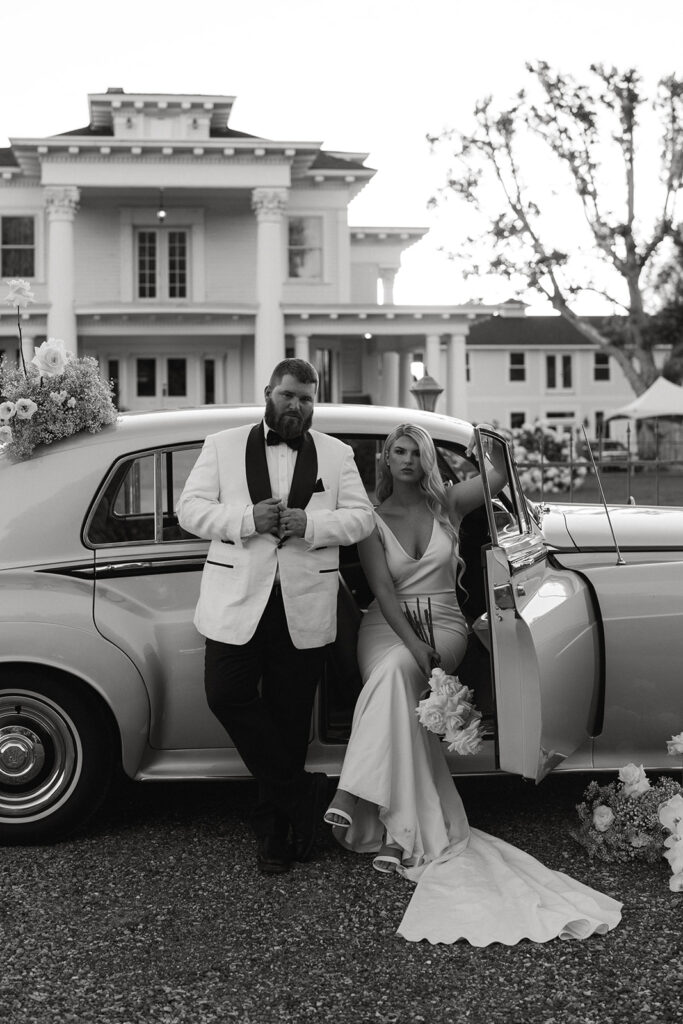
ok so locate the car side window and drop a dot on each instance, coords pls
(137, 502)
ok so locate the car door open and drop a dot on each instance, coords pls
(543, 635)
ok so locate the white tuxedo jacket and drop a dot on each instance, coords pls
(231, 473)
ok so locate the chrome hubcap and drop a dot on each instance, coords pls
(22, 754)
(40, 755)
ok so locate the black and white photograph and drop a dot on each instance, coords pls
(341, 512)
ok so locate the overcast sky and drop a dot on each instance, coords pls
(369, 76)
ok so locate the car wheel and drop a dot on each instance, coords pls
(56, 755)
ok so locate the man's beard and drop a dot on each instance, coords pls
(288, 424)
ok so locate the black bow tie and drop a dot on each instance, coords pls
(272, 437)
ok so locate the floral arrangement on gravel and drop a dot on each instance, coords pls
(55, 396)
(629, 819)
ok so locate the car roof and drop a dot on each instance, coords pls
(65, 475)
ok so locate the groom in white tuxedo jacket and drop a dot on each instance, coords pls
(276, 500)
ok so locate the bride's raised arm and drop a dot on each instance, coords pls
(374, 563)
(469, 494)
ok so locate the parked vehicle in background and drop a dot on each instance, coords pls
(607, 452)
(574, 657)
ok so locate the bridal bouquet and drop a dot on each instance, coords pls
(55, 396)
(449, 711)
(626, 820)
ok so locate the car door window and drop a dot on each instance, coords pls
(137, 502)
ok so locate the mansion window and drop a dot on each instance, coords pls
(558, 372)
(305, 248)
(161, 263)
(17, 246)
(601, 367)
(517, 366)
(517, 420)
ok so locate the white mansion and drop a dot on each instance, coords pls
(189, 257)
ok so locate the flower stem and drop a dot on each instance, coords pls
(21, 343)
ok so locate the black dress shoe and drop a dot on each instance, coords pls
(311, 815)
(273, 855)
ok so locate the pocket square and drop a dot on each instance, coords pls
(318, 486)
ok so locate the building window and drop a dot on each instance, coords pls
(517, 366)
(601, 424)
(209, 381)
(114, 375)
(562, 421)
(558, 372)
(162, 263)
(17, 241)
(601, 366)
(305, 249)
(146, 374)
(176, 372)
(517, 420)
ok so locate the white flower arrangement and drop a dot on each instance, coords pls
(628, 819)
(449, 711)
(55, 396)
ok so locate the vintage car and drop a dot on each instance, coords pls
(576, 642)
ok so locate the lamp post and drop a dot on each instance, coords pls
(426, 392)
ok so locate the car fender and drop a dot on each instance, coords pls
(87, 656)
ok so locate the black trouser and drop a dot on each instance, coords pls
(269, 724)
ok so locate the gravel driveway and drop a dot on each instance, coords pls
(157, 914)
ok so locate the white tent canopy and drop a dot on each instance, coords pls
(661, 399)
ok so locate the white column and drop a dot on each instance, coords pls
(302, 348)
(336, 395)
(456, 383)
(62, 204)
(387, 276)
(28, 345)
(269, 340)
(233, 377)
(432, 356)
(405, 380)
(390, 378)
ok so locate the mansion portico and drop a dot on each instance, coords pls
(189, 257)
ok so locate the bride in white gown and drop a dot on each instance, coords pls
(396, 798)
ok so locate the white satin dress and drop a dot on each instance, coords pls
(469, 885)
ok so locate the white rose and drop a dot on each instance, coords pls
(5, 434)
(674, 853)
(466, 741)
(7, 410)
(603, 817)
(676, 882)
(671, 813)
(634, 779)
(71, 403)
(438, 680)
(19, 294)
(675, 744)
(26, 408)
(431, 713)
(50, 357)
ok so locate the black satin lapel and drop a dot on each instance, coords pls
(305, 474)
(258, 480)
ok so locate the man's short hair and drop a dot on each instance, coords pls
(300, 369)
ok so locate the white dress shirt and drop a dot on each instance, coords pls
(280, 459)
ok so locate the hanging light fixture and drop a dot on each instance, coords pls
(161, 212)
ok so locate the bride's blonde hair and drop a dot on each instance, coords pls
(431, 483)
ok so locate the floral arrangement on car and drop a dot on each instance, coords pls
(629, 819)
(55, 396)
(448, 709)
